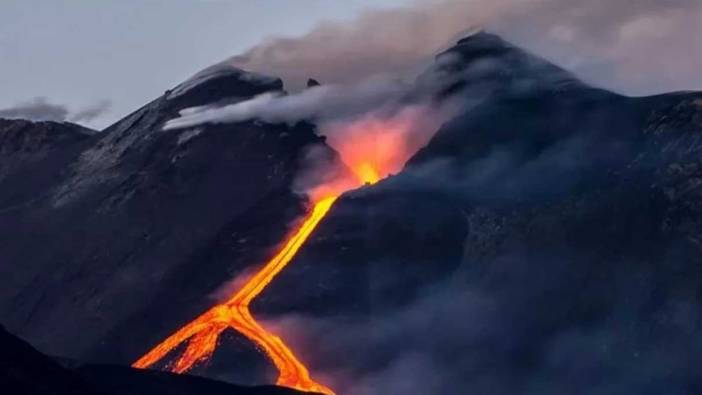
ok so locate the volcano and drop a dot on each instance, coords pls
(545, 239)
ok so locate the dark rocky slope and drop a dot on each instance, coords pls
(34, 156)
(115, 247)
(23, 370)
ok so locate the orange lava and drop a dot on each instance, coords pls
(202, 333)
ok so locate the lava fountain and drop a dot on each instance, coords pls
(372, 148)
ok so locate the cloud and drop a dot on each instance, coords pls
(41, 109)
(608, 42)
(91, 112)
(37, 109)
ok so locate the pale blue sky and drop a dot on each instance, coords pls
(78, 52)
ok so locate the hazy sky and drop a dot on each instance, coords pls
(92, 62)
(82, 52)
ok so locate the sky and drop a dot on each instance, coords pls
(94, 62)
(81, 53)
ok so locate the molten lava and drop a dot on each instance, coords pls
(371, 148)
(202, 333)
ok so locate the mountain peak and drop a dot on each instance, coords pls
(486, 60)
(483, 37)
(222, 81)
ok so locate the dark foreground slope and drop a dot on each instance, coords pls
(545, 241)
(25, 371)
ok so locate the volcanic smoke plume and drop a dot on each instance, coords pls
(607, 42)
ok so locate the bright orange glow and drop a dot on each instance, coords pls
(367, 173)
(372, 148)
(376, 146)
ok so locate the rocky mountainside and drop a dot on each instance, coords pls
(33, 155)
(546, 240)
(111, 231)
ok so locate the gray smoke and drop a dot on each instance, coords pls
(633, 46)
(37, 109)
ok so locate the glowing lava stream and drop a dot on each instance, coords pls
(204, 331)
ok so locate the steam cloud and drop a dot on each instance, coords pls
(636, 47)
(41, 109)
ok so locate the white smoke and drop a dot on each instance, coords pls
(321, 102)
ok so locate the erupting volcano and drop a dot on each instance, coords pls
(371, 148)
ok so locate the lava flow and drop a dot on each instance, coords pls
(371, 148)
(202, 333)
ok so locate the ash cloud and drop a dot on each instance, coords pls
(636, 47)
(41, 109)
